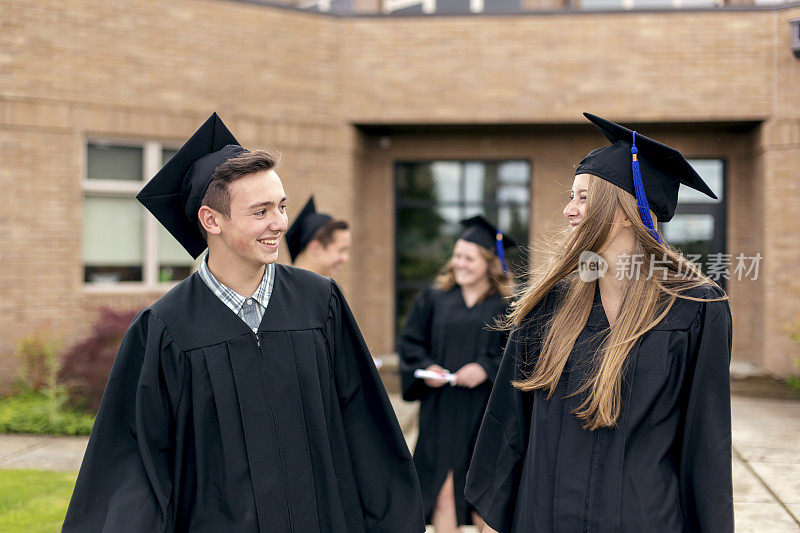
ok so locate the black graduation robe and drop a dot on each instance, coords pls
(442, 330)
(208, 426)
(665, 467)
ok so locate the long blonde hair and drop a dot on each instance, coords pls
(644, 304)
(499, 280)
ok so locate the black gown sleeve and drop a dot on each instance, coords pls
(383, 468)
(494, 473)
(124, 484)
(706, 485)
(496, 468)
(491, 355)
(415, 346)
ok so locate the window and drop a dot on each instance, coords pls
(122, 241)
(434, 6)
(646, 4)
(432, 196)
(698, 227)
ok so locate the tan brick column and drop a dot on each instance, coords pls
(780, 163)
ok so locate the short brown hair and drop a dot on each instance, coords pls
(217, 195)
(325, 233)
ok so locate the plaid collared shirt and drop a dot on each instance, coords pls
(251, 309)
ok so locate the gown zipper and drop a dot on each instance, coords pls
(278, 447)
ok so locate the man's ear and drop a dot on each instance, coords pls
(208, 218)
(315, 246)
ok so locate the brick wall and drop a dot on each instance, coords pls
(299, 82)
(151, 70)
(781, 153)
(180, 55)
(549, 68)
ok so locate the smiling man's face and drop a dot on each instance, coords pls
(257, 218)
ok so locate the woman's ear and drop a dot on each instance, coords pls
(621, 219)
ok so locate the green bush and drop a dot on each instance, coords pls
(34, 412)
(40, 405)
(38, 360)
(794, 383)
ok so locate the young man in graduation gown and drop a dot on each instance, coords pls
(318, 242)
(245, 398)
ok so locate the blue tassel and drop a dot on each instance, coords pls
(641, 197)
(501, 251)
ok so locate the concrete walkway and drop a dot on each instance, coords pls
(766, 462)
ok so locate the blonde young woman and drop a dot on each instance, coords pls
(611, 408)
(447, 333)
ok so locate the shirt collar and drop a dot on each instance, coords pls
(264, 290)
(231, 298)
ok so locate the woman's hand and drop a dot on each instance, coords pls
(436, 383)
(470, 375)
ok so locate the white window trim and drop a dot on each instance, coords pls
(323, 5)
(152, 151)
(626, 5)
(390, 6)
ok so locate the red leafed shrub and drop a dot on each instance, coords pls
(85, 367)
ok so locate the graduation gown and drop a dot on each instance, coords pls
(208, 426)
(665, 466)
(442, 330)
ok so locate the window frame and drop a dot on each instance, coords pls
(630, 5)
(461, 204)
(152, 162)
(718, 210)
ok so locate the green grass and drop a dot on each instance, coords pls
(33, 412)
(34, 501)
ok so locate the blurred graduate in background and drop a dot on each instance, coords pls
(318, 242)
(449, 355)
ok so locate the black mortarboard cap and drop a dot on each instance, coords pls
(302, 230)
(662, 168)
(483, 233)
(174, 195)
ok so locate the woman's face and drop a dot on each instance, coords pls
(575, 210)
(469, 265)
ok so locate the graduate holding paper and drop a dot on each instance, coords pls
(449, 356)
